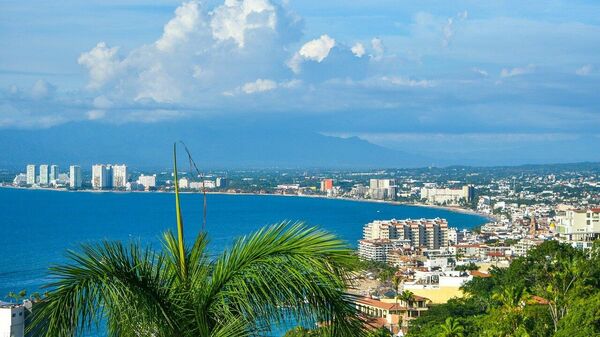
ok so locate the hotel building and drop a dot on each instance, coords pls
(119, 176)
(44, 175)
(30, 174)
(75, 178)
(447, 196)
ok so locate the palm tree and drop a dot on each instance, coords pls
(452, 328)
(407, 296)
(285, 270)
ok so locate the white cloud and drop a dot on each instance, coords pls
(585, 70)
(102, 63)
(156, 84)
(378, 49)
(315, 50)
(448, 29)
(236, 17)
(95, 114)
(260, 85)
(186, 20)
(407, 82)
(358, 49)
(42, 89)
(102, 102)
(511, 72)
(481, 72)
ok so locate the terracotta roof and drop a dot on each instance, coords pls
(477, 273)
(539, 300)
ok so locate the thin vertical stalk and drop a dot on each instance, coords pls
(178, 211)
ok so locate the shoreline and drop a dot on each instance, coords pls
(453, 209)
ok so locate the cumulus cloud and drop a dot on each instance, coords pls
(102, 63)
(235, 18)
(585, 70)
(480, 72)
(315, 50)
(186, 20)
(260, 85)
(358, 49)
(511, 72)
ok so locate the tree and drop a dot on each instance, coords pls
(406, 296)
(180, 291)
(452, 328)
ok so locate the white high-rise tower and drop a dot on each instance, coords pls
(44, 175)
(75, 178)
(101, 176)
(53, 172)
(30, 174)
(119, 176)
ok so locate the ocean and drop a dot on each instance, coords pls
(38, 226)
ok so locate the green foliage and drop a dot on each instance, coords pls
(464, 267)
(555, 290)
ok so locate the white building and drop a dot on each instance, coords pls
(222, 182)
(44, 175)
(580, 227)
(101, 176)
(149, 182)
(30, 174)
(20, 180)
(119, 176)
(382, 189)
(75, 177)
(53, 172)
(447, 196)
(184, 183)
(12, 320)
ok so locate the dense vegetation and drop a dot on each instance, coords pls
(554, 291)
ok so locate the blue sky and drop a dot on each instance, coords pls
(509, 81)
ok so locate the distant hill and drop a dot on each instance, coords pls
(149, 146)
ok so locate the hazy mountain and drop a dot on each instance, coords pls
(213, 146)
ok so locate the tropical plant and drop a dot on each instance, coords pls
(452, 328)
(406, 296)
(180, 291)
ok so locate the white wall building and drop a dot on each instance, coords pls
(149, 182)
(101, 176)
(12, 320)
(447, 196)
(75, 177)
(119, 176)
(30, 174)
(184, 183)
(53, 173)
(44, 175)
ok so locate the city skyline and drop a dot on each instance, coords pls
(495, 83)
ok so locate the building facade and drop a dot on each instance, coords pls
(53, 173)
(120, 176)
(447, 196)
(383, 189)
(101, 176)
(75, 177)
(326, 185)
(44, 175)
(30, 175)
(12, 320)
(149, 182)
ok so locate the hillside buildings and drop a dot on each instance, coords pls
(447, 196)
(380, 237)
(580, 227)
(75, 177)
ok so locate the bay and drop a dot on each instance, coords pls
(38, 226)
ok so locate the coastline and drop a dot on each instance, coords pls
(453, 209)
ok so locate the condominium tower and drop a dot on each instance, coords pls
(119, 176)
(30, 174)
(75, 178)
(44, 175)
(101, 176)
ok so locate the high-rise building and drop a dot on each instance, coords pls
(119, 176)
(382, 189)
(30, 174)
(222, 182)
(53, 172)
(75, 178)
(44, 175)
(101, 176)
(326, 185)
(381, 236)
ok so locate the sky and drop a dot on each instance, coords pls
(460, 82)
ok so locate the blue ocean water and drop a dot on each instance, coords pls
(37, 226)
